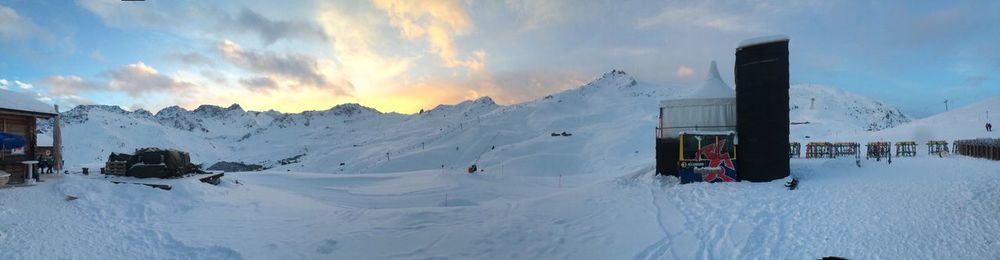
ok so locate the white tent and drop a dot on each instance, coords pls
(711, 107)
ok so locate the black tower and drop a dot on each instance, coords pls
(762, 109)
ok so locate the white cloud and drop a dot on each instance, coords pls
(123, 14)
(538, 14)
(260, 83)
(359, 48)
(70, 85)
(701, 16)
(138, 78)
(302, 69)
(210, 19)
(23, 85)
(14, 26)
(270, 31)
(685, 72)
(98, 56)
(438, 22)
(133, 79)
(5, 84)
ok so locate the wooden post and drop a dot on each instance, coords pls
(57, 141)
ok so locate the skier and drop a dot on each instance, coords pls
(989, 127)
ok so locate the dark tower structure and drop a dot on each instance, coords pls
(762, 108)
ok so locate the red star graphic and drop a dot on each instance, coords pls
(712, 153)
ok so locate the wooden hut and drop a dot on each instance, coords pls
(19, 114)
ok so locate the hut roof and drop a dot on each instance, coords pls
(20, 102)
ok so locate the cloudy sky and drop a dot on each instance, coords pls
(399, 55)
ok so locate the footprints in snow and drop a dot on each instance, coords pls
(327, 247)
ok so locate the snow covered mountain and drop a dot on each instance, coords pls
(820, 112)
(355, 138)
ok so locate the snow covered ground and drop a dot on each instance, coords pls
(938, 208)
(587, 196)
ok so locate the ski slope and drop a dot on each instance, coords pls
(966, 122)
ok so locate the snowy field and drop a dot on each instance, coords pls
(588, 196)
(925, 207)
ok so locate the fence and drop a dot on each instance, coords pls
(980, 148)
(819, 150)
(939, 148)
(878, 150)
(906, 149)
(846, 149)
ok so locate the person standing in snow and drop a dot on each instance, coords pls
(42, 164)
(989, 127)
(51, 162)
(45, 163)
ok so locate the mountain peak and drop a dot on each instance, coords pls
(107, 108)
(171, 110)
(615, 78)
(351, 109)
(485, 100)
(143, 112)
(207, 107)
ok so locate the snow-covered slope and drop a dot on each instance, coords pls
(837, 115)
(366, 140)
(962, 123)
